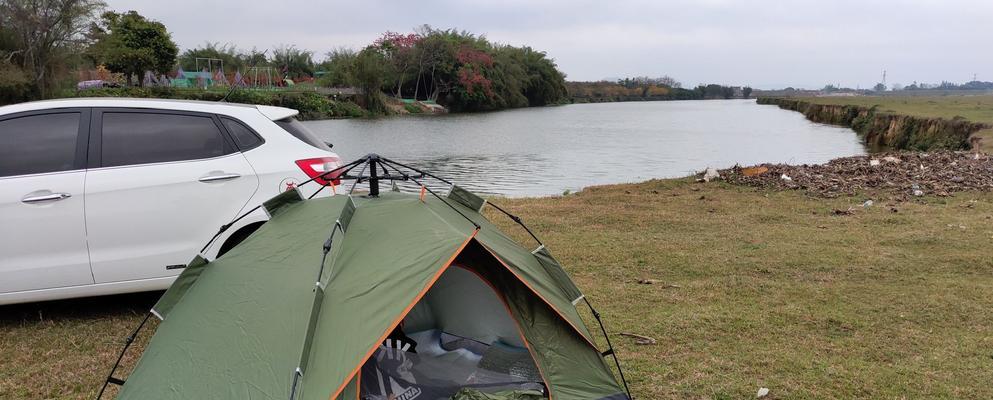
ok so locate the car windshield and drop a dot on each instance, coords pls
(301, 132)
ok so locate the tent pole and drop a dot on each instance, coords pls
(395, 164)
(127, 343)
(518, 221)
(359, 176)
(610, 347)
(407, 176)
(373, 175)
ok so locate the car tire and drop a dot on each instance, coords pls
(238, 237)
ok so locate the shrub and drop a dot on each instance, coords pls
(310, 105)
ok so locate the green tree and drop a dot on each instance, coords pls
(545, 83)
(338, 68)
(44, 39)
(400, 51)
(880, 87)
(254, 58)
(435, 52)
(370, 73)
(293, 62)
(132, 44)
(746, 92)
(15, 86)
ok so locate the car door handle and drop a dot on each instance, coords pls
(46, 197)
(219, 177)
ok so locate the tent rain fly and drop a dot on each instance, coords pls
(415, 297)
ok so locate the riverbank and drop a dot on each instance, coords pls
(742, 287)
(903, 123)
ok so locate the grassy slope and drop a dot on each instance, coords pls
(774, 291)
(973, 108)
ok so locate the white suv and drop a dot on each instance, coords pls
(111, 195)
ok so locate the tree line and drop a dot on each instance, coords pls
(44, 43)
(647, 89)
(458, 69)
(944, 85)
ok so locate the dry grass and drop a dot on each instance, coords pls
(774, 291)
(64, 349)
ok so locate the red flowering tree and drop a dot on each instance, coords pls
(471, 72)
(400, 50)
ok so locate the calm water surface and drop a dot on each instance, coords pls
(545, 151)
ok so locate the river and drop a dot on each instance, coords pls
(549, 150)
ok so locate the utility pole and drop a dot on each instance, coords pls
(884, 77)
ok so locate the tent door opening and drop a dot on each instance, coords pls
(459, 338)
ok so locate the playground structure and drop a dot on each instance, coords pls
(210, 74)
(257, 78)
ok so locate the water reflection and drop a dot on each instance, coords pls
(545, 151)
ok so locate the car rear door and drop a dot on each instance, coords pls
(42, 169)
(161, 185)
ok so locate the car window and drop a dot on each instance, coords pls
(243, 137)
(142, 138)
(301, 132)
(38, 143)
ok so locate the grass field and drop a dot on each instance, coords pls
(973, 108)
(754, 289)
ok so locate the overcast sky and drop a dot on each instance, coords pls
(763, 43)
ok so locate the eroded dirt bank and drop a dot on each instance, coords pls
(887, 131)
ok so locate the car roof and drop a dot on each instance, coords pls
(273, 113)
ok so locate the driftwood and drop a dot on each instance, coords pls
(653, 282)
(904, 174)
(639, 339)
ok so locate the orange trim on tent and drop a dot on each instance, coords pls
(516, 325)
(403, 314)
(358, 386)
(536, 293)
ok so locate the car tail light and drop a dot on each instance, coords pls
(314, 167)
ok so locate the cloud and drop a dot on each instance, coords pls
(758, 42)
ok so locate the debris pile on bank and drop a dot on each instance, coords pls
(907, 174)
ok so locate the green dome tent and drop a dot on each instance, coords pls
(308, 306)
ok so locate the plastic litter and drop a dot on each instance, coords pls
(945, 171)
(711, 174)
